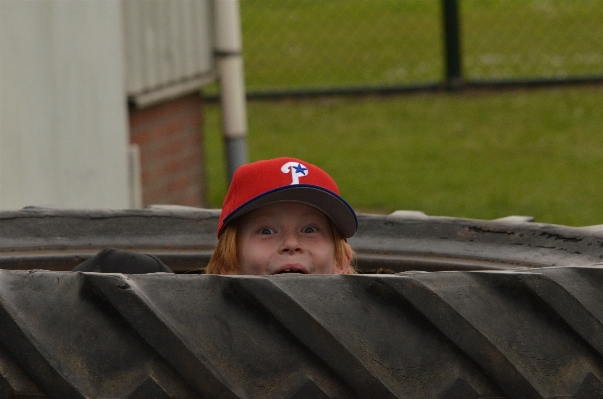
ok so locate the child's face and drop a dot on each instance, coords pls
(286, 237)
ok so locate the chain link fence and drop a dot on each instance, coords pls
(321, 45)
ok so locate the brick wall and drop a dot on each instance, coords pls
(170, 140)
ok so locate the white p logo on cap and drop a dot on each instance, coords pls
(297, 170)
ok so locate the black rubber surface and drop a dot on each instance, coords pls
(183, 238)
(524, 333)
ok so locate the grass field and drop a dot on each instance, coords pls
(300, 43)
(479, 155)
(531, 39)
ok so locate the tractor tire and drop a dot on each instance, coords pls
(515, 333)
(184, 238)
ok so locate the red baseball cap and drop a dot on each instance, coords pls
(286, 179)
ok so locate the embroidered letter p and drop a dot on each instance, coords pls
(297, 170)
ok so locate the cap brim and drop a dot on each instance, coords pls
(335, 207)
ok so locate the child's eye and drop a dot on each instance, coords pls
(266, 231)
(310, 230)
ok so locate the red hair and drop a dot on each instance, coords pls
(224, 260)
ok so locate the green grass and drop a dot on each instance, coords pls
(531, 39)
(478, 155)
(318, 43)
(334, 42)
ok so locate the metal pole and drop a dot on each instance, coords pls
(452, 44)
(229, 61)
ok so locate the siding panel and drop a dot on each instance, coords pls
(167, 44)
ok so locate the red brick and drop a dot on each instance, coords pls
(170, 140)
(162, 169)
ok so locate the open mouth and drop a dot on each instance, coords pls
(289, 271)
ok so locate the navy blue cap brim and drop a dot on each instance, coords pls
(336, 208)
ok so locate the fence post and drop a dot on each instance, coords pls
(452, 44)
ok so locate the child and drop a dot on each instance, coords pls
(283, 215)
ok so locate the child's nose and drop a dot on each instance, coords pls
(291, 243)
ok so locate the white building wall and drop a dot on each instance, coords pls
(169, 50)
(63, 113)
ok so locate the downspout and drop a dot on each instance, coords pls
(229, 62)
